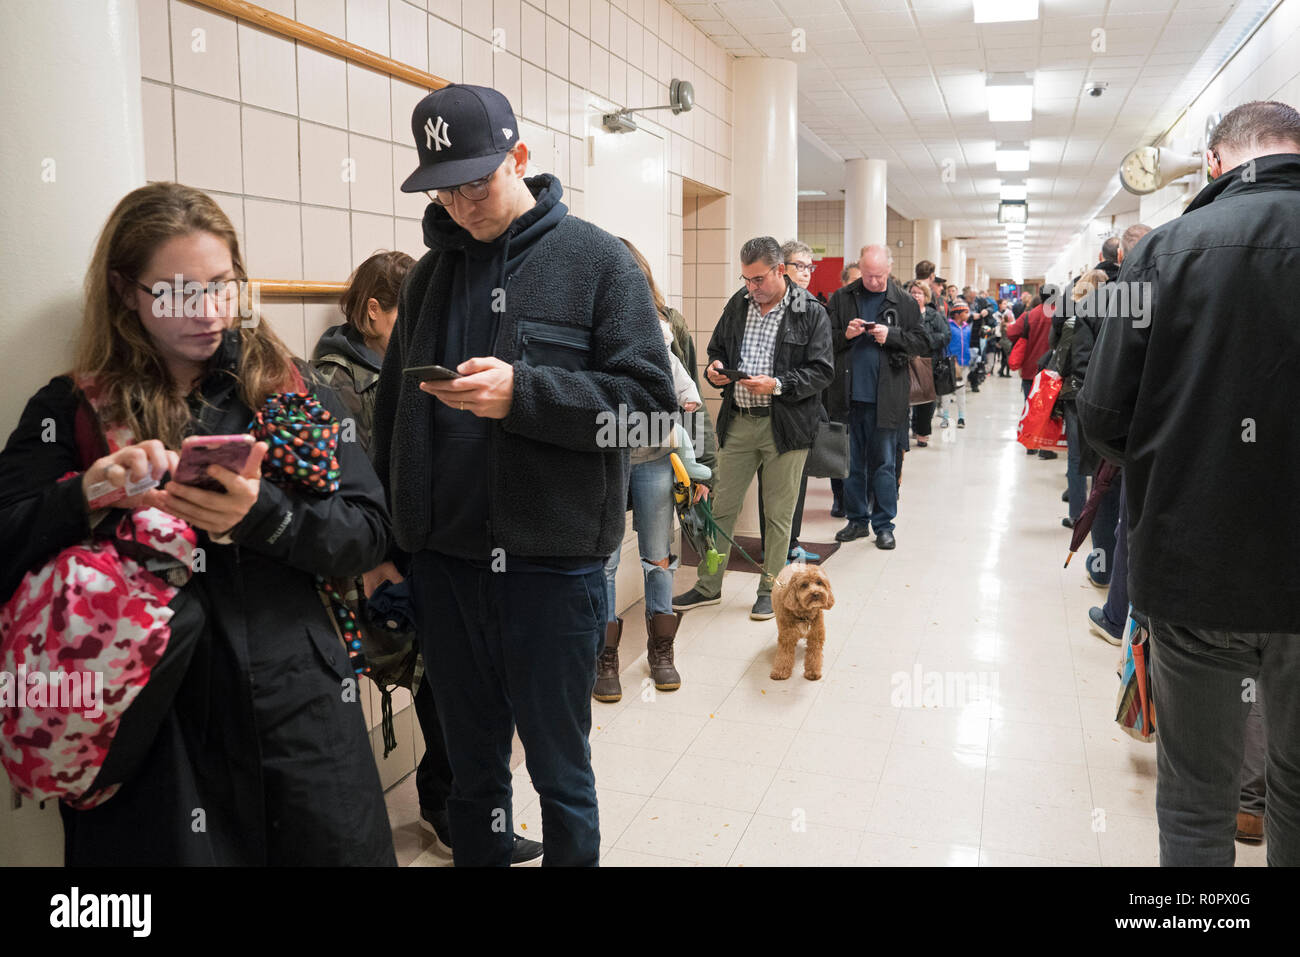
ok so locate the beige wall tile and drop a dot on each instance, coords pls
(207, 142)
(444, 50)
(274, 246)
(323, 86)
(408, 36)
(410, 237)
(286, 319)
(267, 72)
(326, 244)
(410, 205)
(404, 97)
(369, 110)
(155, 40)
(370, 233)
(508, 77)
(204, 51)
(270, 154)
(372, 191)
(477, 18)
(367, 24)
(532, 35)
(159, 135)
(477, 60)
(327, 15)
(505, 15)
(323, 153)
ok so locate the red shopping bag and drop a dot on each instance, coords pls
(1039, 429)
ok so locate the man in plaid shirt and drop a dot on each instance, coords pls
(771, 357)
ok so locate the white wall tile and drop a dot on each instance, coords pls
(532, 35)
(559, 9)
(370, 233)
(367, 24)
(368, 102)
(405, 97)
(270, 154)
(411, 205)
(372, 192)
(507, 77)
(557, 104)
(579, 59)
(326, 244)
(267, 73)
(557, 47)
(410, 237)
(408, 37)
(534, 94)
(323, 152)
(600, 22)
(327, 15)
(444, 50)
(274, 246)
(505, 14)
(618, 81)
(618, 33)
(233, 206)
(319, 316)
(155, 41)
(323, 86)
(449, 10)
(599, 82)
(635, 45)
(286, 319)
(476, 18)
(477, 67)
(207, 137)
(579, 16)
(204, 51)
(159, 135)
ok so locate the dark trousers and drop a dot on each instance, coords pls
(837, 494)
(1102, 560)
(433, 775)
(873, 456)
(1026, 385)
(796, 522)
(1116, 607)
(506, 648)
(921, 418)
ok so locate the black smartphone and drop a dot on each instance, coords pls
(431, 373)
(735, 375)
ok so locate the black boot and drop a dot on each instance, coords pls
(661, 630)
(607, 686)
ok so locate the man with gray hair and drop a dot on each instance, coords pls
(877, 327)
(770, 354)
(1189, 394)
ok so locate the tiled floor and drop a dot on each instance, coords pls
(1017, 762)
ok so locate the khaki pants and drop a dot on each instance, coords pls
(749, 445)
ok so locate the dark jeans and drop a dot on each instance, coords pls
(1076, 481)
(1116, 607)
(1102, 560)
(1199, 681)
(433, 775)
(921, 418)
(872, 458)
(1253, 789)
(1026, 385)
(796, 522)
(837, 494)
(504, 648)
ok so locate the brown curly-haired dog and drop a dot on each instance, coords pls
(800, 595)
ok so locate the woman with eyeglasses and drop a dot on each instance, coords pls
(261, 756)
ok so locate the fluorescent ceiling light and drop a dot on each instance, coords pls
(811, 192)
(1011, 157)
(1013, 211)
(1010, 97)
(1012, 191)
(1004, 11)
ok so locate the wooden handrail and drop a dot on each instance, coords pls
(325, 42)
(295, 288)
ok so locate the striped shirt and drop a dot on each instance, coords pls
(757, 348)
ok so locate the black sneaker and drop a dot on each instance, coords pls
(526, 853)
(694, 599)
(1101, 627)
(762, 609)
(1046, 454)
(1065, 496)
(435, 822)
(961, 423)
(852, 531)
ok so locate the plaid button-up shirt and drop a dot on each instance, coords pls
(757, 348)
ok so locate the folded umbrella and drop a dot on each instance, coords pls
(699, 527)
(1106, 473)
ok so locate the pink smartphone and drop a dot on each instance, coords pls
(200, 451)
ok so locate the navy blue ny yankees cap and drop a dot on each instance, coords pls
(462, 133)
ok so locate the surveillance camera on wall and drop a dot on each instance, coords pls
(1096, 88)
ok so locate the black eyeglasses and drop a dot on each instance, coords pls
(475, 192)
(170, 299)
(802, 267)
(753, 283)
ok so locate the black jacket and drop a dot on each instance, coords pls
(1086, 329)
(802, 362)
(267, 744)
(937, 333)
(347, 365)
(579, 328)
(1194, 400)
(906, 338)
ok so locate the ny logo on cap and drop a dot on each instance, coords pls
(435, 137)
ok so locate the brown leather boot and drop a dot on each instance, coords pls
(662, 629)
(607, 686)
(1250, 828)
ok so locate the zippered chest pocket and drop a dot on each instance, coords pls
(550, 344)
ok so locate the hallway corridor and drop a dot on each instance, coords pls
(737, 769)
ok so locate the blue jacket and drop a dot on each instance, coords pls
(959, 344)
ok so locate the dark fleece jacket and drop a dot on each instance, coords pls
(580, 330)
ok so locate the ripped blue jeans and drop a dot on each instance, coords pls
(652, 517)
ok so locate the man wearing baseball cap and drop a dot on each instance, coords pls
(505, 498)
